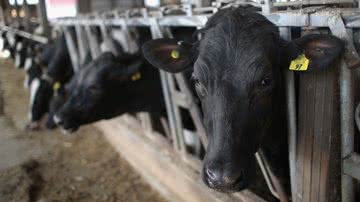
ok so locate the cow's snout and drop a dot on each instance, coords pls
(216, 177)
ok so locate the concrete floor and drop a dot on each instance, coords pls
(48, 166)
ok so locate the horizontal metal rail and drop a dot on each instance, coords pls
(37, 38)
(294, 18)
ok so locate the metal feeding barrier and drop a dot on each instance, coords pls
(338, 21)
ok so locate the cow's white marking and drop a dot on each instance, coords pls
(56, 119)
(34, 87)
(28, 63)
(19, 46)
(17, 60)
(26, 81)
(11, 39)
(1, 43)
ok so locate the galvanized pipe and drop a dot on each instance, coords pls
(157, 33)
(347, 128)
(291, 118)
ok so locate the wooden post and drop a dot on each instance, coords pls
(318, 143)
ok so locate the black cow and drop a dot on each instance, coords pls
(60, 96)
(110, 86)
(59, 71)
(237, 69)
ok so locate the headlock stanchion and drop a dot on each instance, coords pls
(311, 145)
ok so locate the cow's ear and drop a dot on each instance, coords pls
(169, 54)
(321, 50)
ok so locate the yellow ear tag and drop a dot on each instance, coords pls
(56, 86)
(175, 54)
(301, 63)
(136, 76)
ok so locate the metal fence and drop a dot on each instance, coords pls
(340, 22)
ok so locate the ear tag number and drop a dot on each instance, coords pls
(136, 76)
(301, 63)
(175, 54)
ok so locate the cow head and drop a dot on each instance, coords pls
(40, 95)
(237, 69)
(93, 91)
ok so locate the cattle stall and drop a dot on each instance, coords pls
(321, 107)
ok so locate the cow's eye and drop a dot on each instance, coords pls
(200, 90)
(267, 81)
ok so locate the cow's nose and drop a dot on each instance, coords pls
(58, 120)
(218, 179)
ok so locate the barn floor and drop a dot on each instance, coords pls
(48, 166)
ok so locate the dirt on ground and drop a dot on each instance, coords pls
(47, 166)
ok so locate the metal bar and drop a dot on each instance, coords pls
(291, 117)
(299, 18)
(351, 166)
(73, 52)
(93, 43)
(157, 33)
(338, 28)
(347, 128)
(24, 34)
(82, 43)
(27, 16)
(193, 108)
(347, 106)
(42, 13)
(177, 114)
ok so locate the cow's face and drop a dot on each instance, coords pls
(40, 95)
(237, 74)
(92, 91)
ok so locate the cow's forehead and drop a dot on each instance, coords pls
(88, 75)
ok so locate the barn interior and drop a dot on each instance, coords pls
(143, 137)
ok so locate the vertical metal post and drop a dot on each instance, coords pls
(42, 15)
(2, 13)
(291, 117)
(267, 7)
(347, 108)
(83, 46)
(347, 105)
(73, 52)
(93, 43)
(27, 16)
(156, 33)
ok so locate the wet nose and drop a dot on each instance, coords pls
(218, 178)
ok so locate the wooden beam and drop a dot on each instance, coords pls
(155, 159)
(318, 142)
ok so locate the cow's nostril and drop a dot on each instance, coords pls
(223, 180)
(213, 177)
